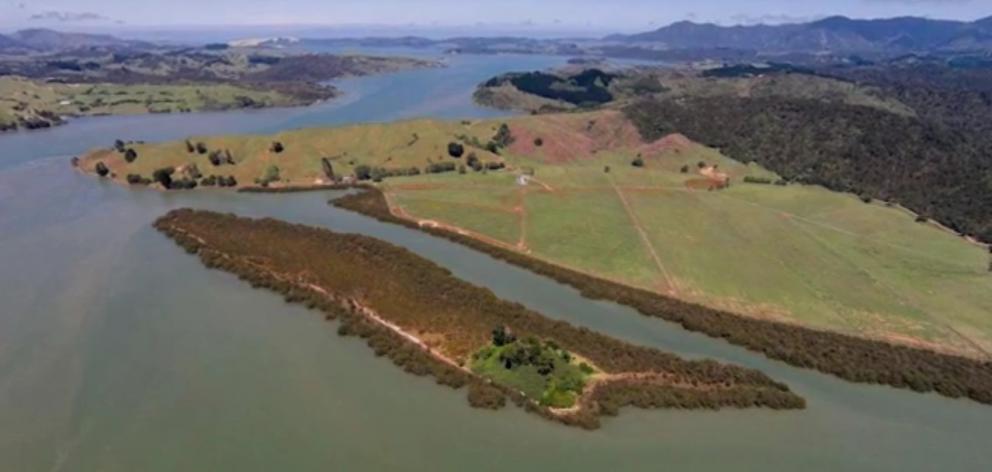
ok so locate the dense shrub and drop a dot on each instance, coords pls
(101, 169)
(441, 167)
(276, 147)
(271, 175)
(456, 150)
(130, 155)
(137, 179)
(164, 176)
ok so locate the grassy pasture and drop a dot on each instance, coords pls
(793, 253)
(22, 98)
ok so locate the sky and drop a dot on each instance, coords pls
(578, 16)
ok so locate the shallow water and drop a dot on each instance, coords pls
(118, 351)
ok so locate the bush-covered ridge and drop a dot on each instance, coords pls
(939, 172)
(851, 358)
(346, 275)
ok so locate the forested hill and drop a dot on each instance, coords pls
(939, 171)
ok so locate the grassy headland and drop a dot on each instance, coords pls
(37, 91)
(430, 322)
(25, 104)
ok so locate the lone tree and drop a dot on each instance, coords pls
(189, 147)
(271, 175)
(503, 137)
(276, 147)
(119, 145)
(637, 162)
(684, 169)
(130, 155)
(101, 169)
(456, 150)
(201, 148)
(325, 163)
(538, 142)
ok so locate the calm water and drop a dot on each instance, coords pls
(120, 352)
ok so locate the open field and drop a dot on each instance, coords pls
(791, 253)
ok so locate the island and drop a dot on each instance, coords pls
(429, 322)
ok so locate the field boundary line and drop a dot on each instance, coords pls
(669, 280)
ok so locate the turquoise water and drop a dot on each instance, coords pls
(120, 352)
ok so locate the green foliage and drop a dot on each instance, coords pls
(503, 137)
(922, 164)
(164, 176)
(750, 179)
(455, 150)
(539, 369)
(271, 175)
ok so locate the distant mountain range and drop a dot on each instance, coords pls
(46, 40)
(833, 34)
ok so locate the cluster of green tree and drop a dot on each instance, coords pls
(137, 179)
(931, 169)
(848, 357)
(558, 383)
(353, 273)
(129, 153)
(587, 88)
(441, 167)
(164, 177)
(199, 148)
(218, 158)
(219, 180)
(377, 174)
(751, 70)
